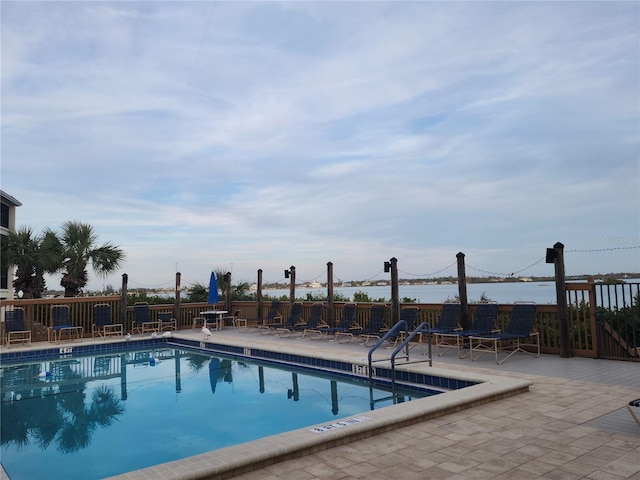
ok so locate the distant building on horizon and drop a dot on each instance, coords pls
(7, 222)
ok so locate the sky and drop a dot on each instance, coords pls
(241, 136)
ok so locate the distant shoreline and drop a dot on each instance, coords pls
(454, 280)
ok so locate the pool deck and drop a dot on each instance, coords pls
(571, 423)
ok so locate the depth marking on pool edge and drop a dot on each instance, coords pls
(362, 370)
(343, 423)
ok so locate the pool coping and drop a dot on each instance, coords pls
(239, 459)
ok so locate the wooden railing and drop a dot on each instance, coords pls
(588, 338)
(38, 314)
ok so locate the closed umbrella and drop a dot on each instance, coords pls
(213, 289)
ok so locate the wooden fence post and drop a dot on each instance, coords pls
(561, 299)
(462, 292)
(227, 280)
(123, 300)
(259, 295)
(176, 305)
(395, 292)
(292, 286)
(330, 293)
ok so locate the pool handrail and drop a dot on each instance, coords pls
(392, 331)
(403, 345)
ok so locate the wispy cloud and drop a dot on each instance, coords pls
(266, 134)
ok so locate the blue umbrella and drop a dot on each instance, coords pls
(213, 289)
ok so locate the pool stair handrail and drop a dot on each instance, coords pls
(404, 345)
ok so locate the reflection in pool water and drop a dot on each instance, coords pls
(76, 416)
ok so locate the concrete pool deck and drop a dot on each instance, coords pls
(571, 423)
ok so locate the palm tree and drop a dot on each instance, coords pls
(78, 245)
(33, 256)
(198, 294)
(239, 291)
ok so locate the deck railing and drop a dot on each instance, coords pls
(588, 337)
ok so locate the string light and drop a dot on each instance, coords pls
(602, 249)
(160, 285)
(425, 275)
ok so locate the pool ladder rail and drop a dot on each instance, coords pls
(395, 331)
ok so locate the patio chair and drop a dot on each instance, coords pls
(520, 327)
(410, 316)
(61, 324)
(447, 322)
(142, 319)
(273, 316)
(102, 325)
(373, 328)
(344, 325)
(14, 328)
(315, 319)
(292, 320)
(634, 409)
(166, 321)
(209, 319)
(483, 324)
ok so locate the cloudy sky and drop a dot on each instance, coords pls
(259, 135)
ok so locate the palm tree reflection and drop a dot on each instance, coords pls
(49, 412)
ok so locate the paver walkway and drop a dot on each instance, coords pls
(551, 432)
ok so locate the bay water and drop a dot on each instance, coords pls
(501, 292)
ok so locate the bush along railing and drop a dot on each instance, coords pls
(618, 320)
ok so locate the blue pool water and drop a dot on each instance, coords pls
(93, 417)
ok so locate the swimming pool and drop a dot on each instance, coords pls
(235, 460)
(156, 405)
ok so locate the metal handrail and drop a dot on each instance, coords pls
(384, 338)
(403, 345)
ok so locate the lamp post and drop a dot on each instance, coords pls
(291, 274)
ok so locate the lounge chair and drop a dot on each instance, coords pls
(61, 324)
(273, 316)
(483, 324)
(292, 320)
(447, 322)
(634, 408)
(102, 325)
(520, 327)
(14, 329)
(344, 325)
(410, 316)
(374, 327)
(315, 319)
(166, 321)
(142, 319)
